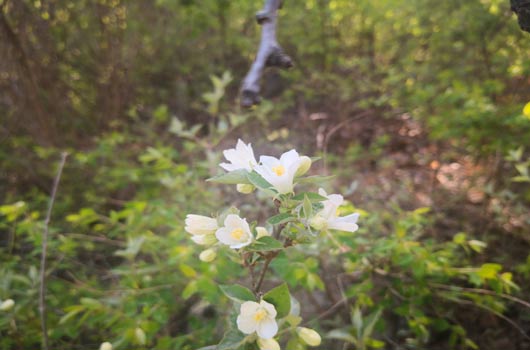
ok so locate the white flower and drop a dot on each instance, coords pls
(7, 305)
(241, 157)
(105, 346)
(309, 336)
(327, 218)
(235, 233)
(268, 344)
(280, 173)
(200, 225)
(259, 318)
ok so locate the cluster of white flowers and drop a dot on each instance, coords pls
(280, 173)
(230, 229)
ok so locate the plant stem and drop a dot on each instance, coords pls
(42, 290)
(268, 260)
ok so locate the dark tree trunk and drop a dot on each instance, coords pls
(522, 9)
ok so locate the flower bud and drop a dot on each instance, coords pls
(7, 305)
(268, 344)
(261, 232)
(309, 336)
(245, 188)
(139, 334)
(200, 225)
(208, 255)
(105, 346)
(318, 222)
(305, 164)
(204, 239)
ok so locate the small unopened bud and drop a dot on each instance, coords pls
(7, 305)
(105, 346)
(309, 336)
(208, 255)
(139, 334)
(245, 188)
(268, 344)
(318, 223)
(261, 232)
(305, 164)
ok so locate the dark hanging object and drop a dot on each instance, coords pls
(522, 9)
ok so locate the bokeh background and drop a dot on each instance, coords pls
(417, 107)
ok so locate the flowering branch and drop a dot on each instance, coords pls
(270, 54)
(299, 219)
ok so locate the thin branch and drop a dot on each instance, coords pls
(487, 308)
(268, 260)
(482, 291)
(42, 290)
(270, 54)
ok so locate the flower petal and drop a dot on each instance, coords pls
(271, 310)
(289, 158)
(346, 223)
(267, 328)
(233, 221)
(249, 308)
(246, 324)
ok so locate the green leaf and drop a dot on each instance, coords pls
(232, 178)
(280, 219)
(341, 334)
(295, 343)
(73, 312)
(237, 293)
(357, 320)
(489, 271)
(308, 208)
(370, 323)
(257, 180)
(374, 343)
(232, 340)
(265, 244)
(280, 298)
(313, 197)
(91, 303)
(459, 238)
(316, 179)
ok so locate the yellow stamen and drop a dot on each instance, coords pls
(237, 234)
(260, 315)
(278, 170)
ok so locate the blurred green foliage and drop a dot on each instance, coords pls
(142, 95)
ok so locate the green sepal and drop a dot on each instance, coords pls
(265, 244)
(232, 178)
(237, 293)
(280, 298)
